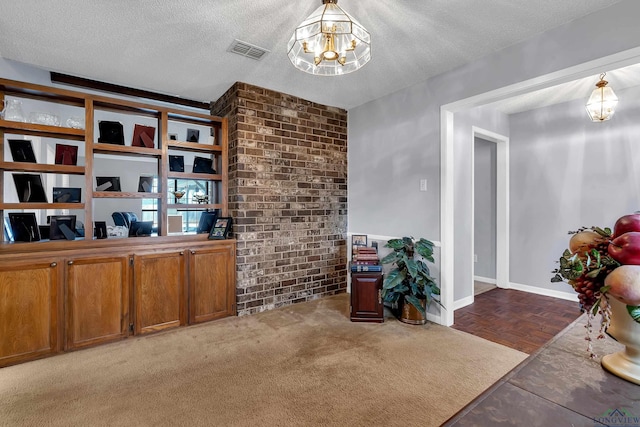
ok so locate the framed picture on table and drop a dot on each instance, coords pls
(359, 240)
(221, 228)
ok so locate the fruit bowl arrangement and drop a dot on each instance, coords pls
(601, 264)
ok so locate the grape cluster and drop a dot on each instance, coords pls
(588, 287)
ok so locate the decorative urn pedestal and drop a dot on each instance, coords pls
(626, 363)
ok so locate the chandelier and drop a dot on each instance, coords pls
(329, 42)
(602, 102)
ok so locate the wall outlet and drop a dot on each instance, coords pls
(423, 185)
(475, 257)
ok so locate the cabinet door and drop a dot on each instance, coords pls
(366, 299)
(159, 291)
(97, 300)
(28, 311)
(212, 283)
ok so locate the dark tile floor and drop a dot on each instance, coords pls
(559, 385)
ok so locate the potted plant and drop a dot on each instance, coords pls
(603, 267)
(409, 286)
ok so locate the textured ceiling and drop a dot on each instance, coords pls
(621, 78)
(179, 47)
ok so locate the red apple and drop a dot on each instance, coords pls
(626, 224)
(624, 282)
(626, 248)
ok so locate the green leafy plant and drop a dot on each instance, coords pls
(411, 279)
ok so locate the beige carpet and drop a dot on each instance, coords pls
(303, 365)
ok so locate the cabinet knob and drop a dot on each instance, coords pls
(182, 253)
(54, 264)
(193, 252)
(70, 263)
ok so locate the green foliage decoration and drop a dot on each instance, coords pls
(411, 279)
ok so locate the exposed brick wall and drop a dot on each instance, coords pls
(287, 196)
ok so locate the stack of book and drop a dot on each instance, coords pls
(365, 259)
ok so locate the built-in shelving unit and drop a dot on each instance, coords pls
(60, 295)
(212, 145)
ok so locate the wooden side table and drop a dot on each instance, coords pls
(366, 297)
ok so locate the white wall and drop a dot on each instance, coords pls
(567, 172)
(395, 139)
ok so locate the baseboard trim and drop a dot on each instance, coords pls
(569, 296)
(463, 302)
(434, 318)
(485, 280)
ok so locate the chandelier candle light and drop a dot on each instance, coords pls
(329, 42)
(602, 102)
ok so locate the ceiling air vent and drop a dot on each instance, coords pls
(247, 49)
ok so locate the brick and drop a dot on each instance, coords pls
(287, 194)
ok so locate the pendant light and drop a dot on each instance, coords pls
(602, 102)
(329, 42)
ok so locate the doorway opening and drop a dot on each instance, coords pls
(490, 213)
(448, 167)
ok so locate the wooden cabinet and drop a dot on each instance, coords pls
(159, 291)
(210, 271)
(97, 302)
(366, 297)
(29, 310)
(86, 293)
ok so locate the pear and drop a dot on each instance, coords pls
(583, 241)
(624, 282)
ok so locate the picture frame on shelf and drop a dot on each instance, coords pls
(173, 137)
(67, 194)
(29, 188)
(62, 227)
(143, 136)
(111, 132)
(206, 222)
(193, 135)
(108, 183)
(203, 165)
(101, 230)
(22, 150)
(24, 227)
(358, 240)
(145, 184)
(176, 163)
(221, 228)
(66, 155)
